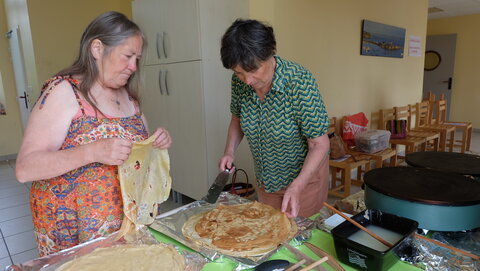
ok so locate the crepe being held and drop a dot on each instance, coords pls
(145, 182)
(242, 230)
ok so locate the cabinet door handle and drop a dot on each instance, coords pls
(160, 81)
(165, 43)
(159, 42)
(166, 83)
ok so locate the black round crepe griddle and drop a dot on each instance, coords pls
(460, 163)
(424, 186)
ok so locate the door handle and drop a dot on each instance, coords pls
(449, 82)
(160, 81)
(166, 83)
(25, 99)
(158, 43)
(165, 43)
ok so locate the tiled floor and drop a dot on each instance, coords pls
(17, 243)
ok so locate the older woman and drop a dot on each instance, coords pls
(81, 128)
(276, 104)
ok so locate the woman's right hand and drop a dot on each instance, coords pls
(111, 151)
(226, 162)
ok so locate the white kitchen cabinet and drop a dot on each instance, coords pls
(171, 27)
(171, 100)
(188, 90)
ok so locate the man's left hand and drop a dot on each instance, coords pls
(291, 199)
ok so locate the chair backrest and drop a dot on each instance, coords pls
(422, 117)
(413, 115)
(403, 113)
(384, 116)
(333, 125)
(441, 106)
(438, 112)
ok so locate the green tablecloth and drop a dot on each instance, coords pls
(320, 238)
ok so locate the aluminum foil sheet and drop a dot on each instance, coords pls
(429, 256)
(171, 224)
(193, 261)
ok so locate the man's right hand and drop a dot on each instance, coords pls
(226, 162)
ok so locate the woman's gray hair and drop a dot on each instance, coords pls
(112, 29)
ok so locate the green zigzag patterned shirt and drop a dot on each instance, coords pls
(277, 129)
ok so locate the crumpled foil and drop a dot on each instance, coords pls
(51, 262)
(429, 256)
(171, 224)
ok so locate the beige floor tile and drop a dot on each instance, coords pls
(3, 249)
(4, 262)
(15, 212)
(20, 242)
(13, 191)
(9, 183)
(25, 256)
(16, 226)
(14, 201)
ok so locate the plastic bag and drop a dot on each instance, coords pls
(352, 125)
(397, 128)
(337, 147)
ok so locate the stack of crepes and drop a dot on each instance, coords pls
(145, 182)
(243, 230)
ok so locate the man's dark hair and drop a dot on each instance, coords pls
(246, 43)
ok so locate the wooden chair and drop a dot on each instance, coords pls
(340, 185)
(380, 157)
(422, 122)
(411, 143)
(464, 127)
(406, 112)
(431, 98)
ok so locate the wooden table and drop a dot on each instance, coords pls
(460, 163)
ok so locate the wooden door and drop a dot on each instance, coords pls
(23, 90)
(439, 78)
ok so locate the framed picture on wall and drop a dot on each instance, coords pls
(382, 40)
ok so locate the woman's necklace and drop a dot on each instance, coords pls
(116, 101)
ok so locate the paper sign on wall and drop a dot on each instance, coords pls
(415, 46)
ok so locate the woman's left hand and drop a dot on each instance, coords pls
(291, 199)
(162, 139)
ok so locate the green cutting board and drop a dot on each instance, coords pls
(320, 238)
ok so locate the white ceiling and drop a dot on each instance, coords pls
(453, 8)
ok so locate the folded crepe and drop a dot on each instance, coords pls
(145, 183)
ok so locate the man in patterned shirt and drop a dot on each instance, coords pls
(276, 104)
